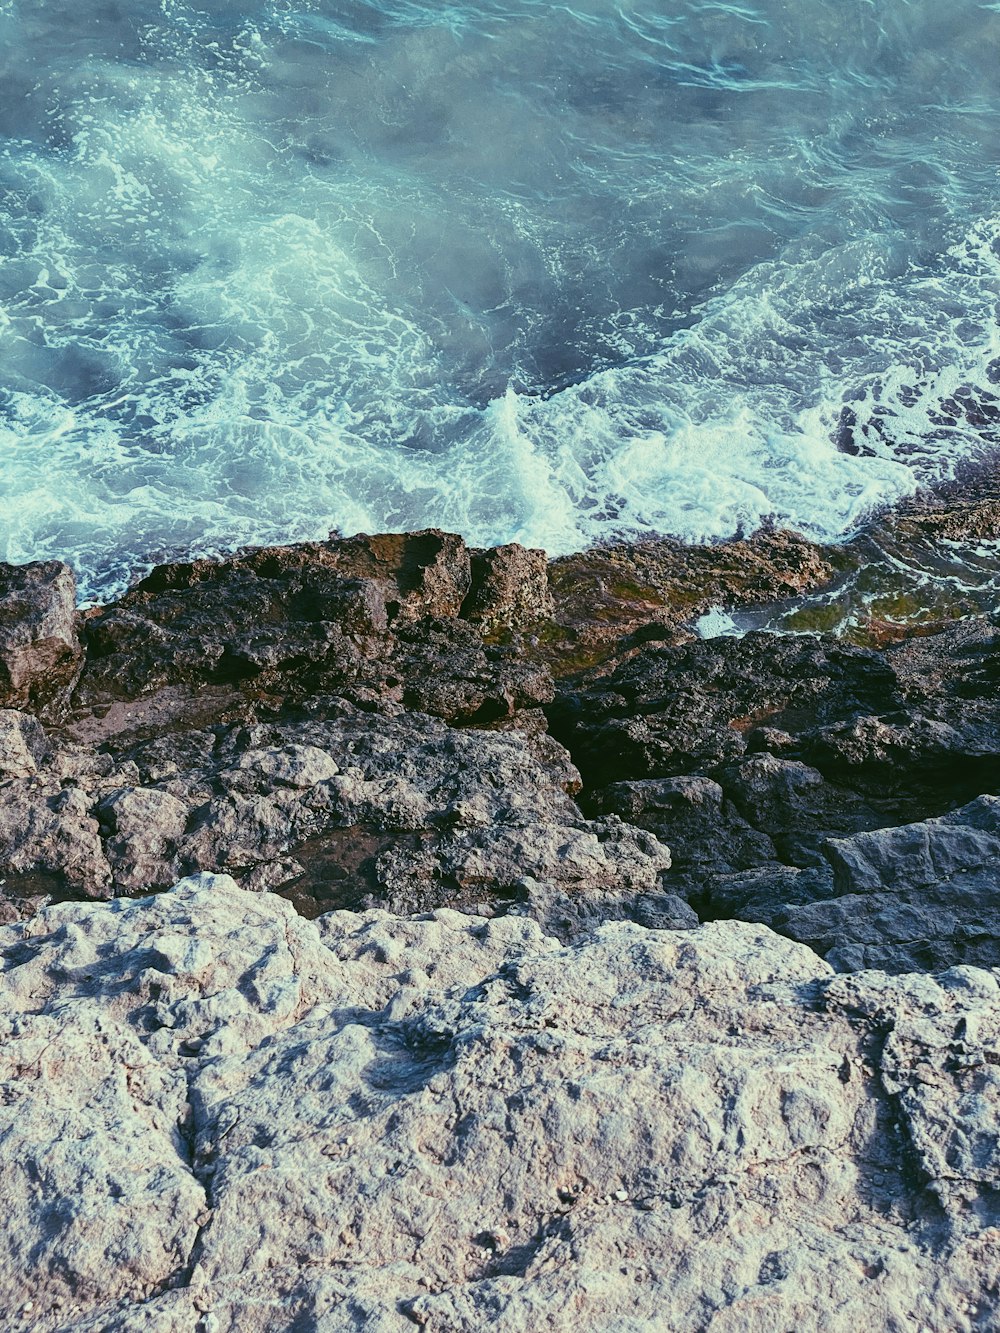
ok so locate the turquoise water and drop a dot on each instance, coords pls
(538, 272)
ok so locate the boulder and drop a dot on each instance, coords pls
(40, 654)
(510, 589)
(50, 841)
(913, 897)
(829, 791)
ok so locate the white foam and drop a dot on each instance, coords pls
(263, 275)
(717, 624)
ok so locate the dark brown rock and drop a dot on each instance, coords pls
(510, 589)
(375, 620)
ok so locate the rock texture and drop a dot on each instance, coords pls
(340, 812)
(402, 721)
(370, 619)
(455, 1052)
(829, 790)
(220, 1116)
(40, 655)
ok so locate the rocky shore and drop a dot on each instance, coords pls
(397, 934)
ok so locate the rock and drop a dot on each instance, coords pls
(766, 763)
(375, 620)
(363, 722)
(669, 711)
(23, 745)
(692, 815)
(610, 600)
(296, 766)
(426, 573)
(40, 655)
(918, 896)
(794, 805)
(510, 589)
(143, 828)
(456, 1123)
(918, 854)
(403, 811)
(50, 841)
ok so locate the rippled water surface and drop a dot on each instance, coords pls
(529, 271)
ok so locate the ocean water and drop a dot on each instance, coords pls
(531, 271)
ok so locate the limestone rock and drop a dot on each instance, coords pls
(40, 653)
(143, 827)
(826, 790)
(250, 1122)
(50, 840)
(346, 811)
(368, 617)
(23, 744)
(510, 588)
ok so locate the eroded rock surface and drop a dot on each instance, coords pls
(221, 1116)
(382, 720)
(781, 770)
(40, 654)
(343, 810)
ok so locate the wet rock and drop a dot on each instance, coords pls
(40, 655)
(376, 620)
(669, 711)
(451, 1121)
(611, 599)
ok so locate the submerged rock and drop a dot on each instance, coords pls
(246, 1121)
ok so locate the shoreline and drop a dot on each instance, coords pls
(458, 937)
(418, 630)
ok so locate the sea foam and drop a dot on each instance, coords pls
(527, 271)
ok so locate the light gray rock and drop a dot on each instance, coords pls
(245, 1122)
(297, 766)
(51, 834)
(22, 744)
(40, 653)
(143, 827)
